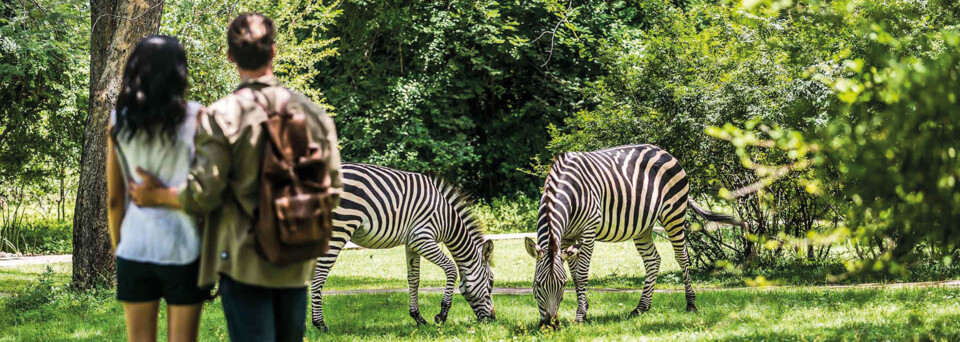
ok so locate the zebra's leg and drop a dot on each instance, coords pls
(324, 264)
(427, 247)
(651, 260)
(580, 270)
(413, 279)
(679, 241)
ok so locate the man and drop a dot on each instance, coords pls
(261, 301)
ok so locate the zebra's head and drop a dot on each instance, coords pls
(477, 289)
(549, 279)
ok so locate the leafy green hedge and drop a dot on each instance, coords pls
(501, 215)
(40, 236)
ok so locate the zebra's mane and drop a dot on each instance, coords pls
(463, 204)
(553, 246)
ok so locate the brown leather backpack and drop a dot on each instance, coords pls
(294, 219)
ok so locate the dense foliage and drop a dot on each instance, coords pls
(463, 89)
(43, 73)
(884, 155)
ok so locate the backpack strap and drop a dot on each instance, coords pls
(277, 108)
(286, 132)
(279, 105)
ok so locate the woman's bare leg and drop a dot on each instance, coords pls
(141, 320)
(183, 322)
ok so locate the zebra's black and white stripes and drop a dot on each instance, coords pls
(384, 208)
(610, 195)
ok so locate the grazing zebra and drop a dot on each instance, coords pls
(610, 195)
(385, 208)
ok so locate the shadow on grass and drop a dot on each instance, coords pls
(796, 272)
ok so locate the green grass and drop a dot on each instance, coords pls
(44, 309)
(614, 265)
(512, 267)
(15, 280)
(796, 314)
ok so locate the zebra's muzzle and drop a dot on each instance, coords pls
(549, 322)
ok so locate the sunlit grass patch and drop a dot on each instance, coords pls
(782, 314)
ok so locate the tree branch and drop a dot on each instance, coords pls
(553, 33)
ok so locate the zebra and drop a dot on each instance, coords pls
(385, 208)
(610, 195)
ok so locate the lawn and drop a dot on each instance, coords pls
(795, 314)
(14, 280)
(51, 312)
(613, 264)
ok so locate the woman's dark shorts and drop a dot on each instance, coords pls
(146, 282)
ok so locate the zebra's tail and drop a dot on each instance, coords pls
(712, 216)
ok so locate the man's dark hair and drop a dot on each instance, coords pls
(250, 39)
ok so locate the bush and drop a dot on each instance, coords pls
(37, 235)
(47, 236)
(516, 214)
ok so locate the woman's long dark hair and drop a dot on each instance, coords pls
(154, 81)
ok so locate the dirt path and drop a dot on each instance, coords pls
(52, 259)
(523, 291)
(34, 260)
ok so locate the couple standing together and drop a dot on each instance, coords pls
(188, 162)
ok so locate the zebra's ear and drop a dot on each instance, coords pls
(570, 252)
(532, 248)
(487, 251)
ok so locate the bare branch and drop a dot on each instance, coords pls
(42, 9)
(553, 33)
(777, 174)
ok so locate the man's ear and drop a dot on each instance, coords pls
(532, 248)
(570, 252)
(487, 251)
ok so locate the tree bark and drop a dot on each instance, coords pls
(116, 27)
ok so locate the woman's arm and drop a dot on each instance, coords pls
(152, 192)
(208, 178)
(116, 193)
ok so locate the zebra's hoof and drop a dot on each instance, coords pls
(635, 313)
(320, 326)
(440, 318)
(691, 308)
(419, 319)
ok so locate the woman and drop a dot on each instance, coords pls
(152, 129)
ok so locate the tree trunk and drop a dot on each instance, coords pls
(116, 27)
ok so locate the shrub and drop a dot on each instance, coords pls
(47, 236)
(516, 214)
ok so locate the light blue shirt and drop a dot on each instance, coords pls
(159, 235)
